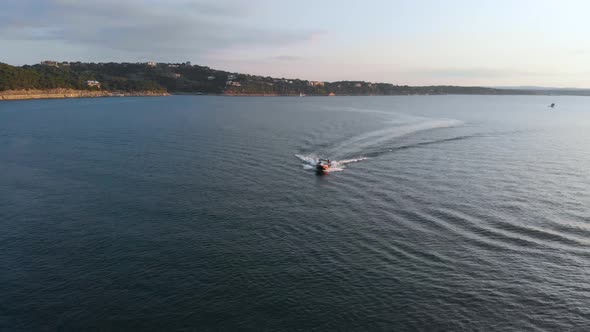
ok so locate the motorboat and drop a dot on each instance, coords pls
(323, 166)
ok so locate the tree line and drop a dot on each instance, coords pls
(187, 78)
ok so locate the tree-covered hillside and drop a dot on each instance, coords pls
(187, 78)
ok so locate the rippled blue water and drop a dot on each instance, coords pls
(202, 213)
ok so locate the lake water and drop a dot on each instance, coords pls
(204, 213)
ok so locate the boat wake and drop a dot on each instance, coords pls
(310, 161)
(374, 143)
(395, 130)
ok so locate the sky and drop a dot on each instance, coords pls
(419, 42)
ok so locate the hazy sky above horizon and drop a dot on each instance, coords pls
(422, 42)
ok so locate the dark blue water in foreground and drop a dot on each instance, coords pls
(202, 213)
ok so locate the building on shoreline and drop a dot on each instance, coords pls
(93, 84)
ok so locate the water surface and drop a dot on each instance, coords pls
(443, 213)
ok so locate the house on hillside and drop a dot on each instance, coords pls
(151, 63)
(93, 84)
(50, 63)
(315, 83)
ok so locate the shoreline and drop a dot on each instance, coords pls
(14, 95)
(72, 93)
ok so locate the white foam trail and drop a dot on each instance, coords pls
(401, 125)
(348, 161)
(311, 160)
(397, 130)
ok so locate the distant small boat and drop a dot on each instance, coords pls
(552, 105)
(301, 94)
